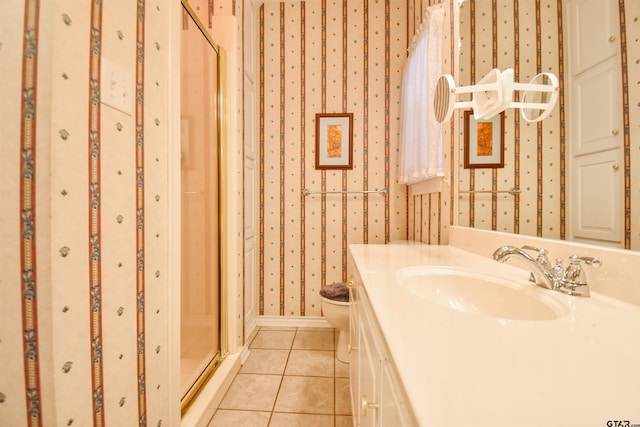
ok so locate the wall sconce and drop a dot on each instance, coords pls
(494, 94)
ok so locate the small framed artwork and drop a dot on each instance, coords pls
(334, 141)
(483, 141)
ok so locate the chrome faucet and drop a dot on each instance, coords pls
(571, 281)
(541, 272)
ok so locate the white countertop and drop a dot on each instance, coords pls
(462, 369)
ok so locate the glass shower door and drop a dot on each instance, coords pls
(200, 231)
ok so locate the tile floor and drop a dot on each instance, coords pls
(291, 378)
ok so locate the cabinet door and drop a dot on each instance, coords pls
(389, 410)
(596, 109)
(370, 375)
(598, 183)
(378, 398)
(354, 354)
(593, 32)
(393, 408)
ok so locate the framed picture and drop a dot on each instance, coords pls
(483, 142)
(334, 141)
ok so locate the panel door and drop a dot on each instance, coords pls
(392, 411)
(596, 109)
(595, 134)
(593, 32)
(370, 363)
(250, 171)
(354, 352)
(597, 203)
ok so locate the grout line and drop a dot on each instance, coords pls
(273, 408)
(335, 371)
(282, 375)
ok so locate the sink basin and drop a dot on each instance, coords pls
(470, 291)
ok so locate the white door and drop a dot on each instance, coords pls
(596, 108)
(597, 216)
(593, 32)
(250, 170)
(370, 370)
(596, 183)
(356, 346)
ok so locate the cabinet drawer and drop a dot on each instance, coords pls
(377, 395)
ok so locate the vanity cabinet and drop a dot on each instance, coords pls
(377, 395)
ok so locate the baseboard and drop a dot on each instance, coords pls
(293, 321)
(244, 354)
(249, 326)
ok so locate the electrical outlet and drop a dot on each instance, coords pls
(116, 87)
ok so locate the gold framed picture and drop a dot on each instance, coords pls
(334, 141)
(483, 141)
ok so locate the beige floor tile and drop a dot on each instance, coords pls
(281, 419)
(265, 362)
(343, 397)
(312, 363)
(310, 395)
(252, 392)
(314, 340)
(342, 369)
(344, 421)
(293, 372)
(230, 418)
(273, 339)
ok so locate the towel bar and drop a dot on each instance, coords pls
(513, 191)
(307, 192)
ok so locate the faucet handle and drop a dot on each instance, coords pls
(558, 269)
(575, 273)
(542, 255)
(533, 248)
(587, 260)
(574, 281)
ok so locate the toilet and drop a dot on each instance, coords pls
(335, 308)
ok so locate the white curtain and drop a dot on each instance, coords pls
(420, 133)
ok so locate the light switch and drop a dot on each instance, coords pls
(116, 87)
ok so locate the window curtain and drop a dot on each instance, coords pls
(420, 133)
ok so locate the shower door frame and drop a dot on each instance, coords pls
(188, 399)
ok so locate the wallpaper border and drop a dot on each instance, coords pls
(140, 210)
(95, 237)
(29, 282)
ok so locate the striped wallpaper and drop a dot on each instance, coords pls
(330, 56)
(430, 213)
(83, 217)
(31, 352)
(491, 37)
(95, 195)
(84, 280)
(304, 49)
(83, 312)
(528, 37)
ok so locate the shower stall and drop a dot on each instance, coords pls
(202, 340)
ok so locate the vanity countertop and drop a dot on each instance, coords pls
(462, 369)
